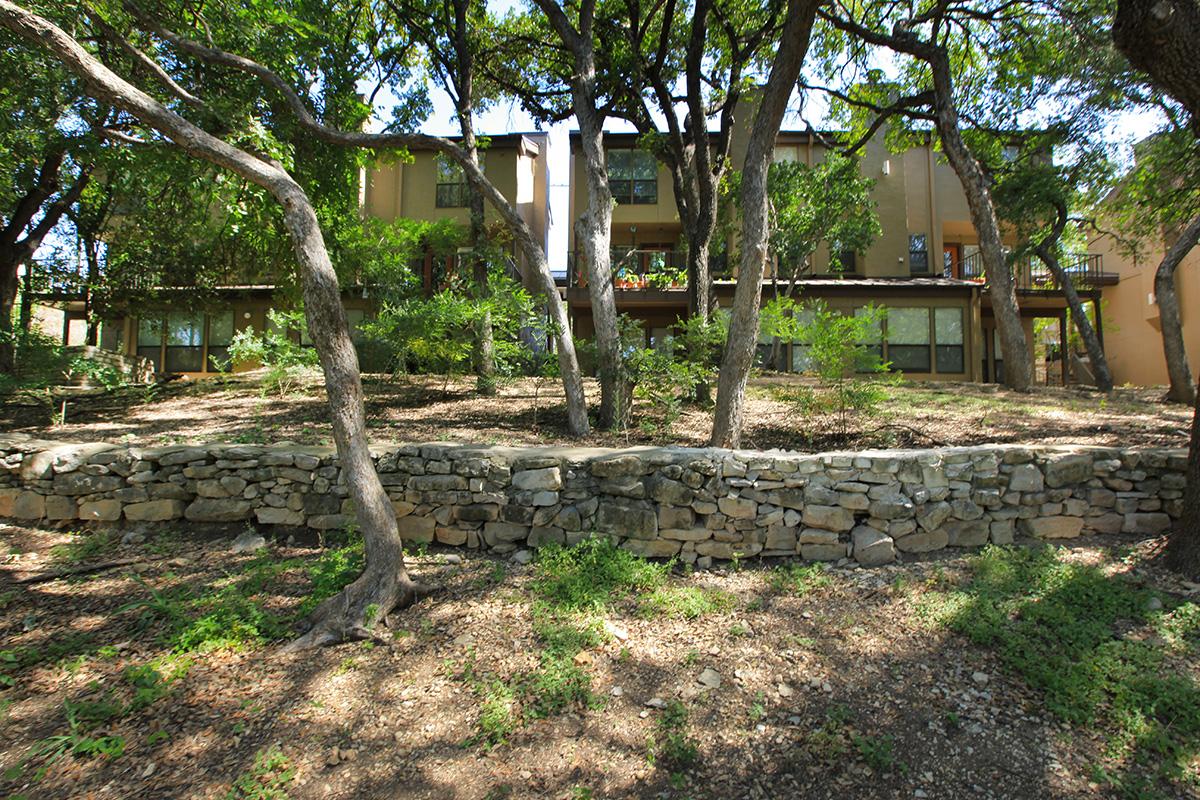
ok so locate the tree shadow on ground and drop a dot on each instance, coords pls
(863, 687)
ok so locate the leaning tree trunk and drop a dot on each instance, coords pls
(1179, 372)
(485, 348)
(8, 300)
(1046, 251)
(738, 356)
(1183, 546)
(1002, 288)
(384, 583)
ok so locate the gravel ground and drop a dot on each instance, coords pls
(844, 691)
(424, 408)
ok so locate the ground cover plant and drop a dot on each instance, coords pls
(591, 672)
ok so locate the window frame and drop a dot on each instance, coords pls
(910, 347)
(452, 193)
(918, 257)
(625, 190)
(940, 349)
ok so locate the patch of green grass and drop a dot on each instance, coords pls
(267, 779)
(84, 545)
(556, 685)
(141, 686)
(799, 579)
(591, 575)
(877, 752)
(670, 746)
(333, 570)
(1060, 626)
(684, 602)
(228, 620)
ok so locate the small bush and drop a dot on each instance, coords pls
(670, 746)
(592, 574)
(285, 360)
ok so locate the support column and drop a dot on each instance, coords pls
(1066, 359)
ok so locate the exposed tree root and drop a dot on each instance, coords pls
(353, 613)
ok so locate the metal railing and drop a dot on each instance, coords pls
(1086, 271)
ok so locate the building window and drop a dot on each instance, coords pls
(452, 191)
(220, 334)
(844, 262)
(801, 359)
(633, 177)
(918, 253)
(908, 339)
(185, 342)
(948, 335)
(149, 341)
(873, 341)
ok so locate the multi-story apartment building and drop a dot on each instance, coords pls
(925, 267)
(179, 337)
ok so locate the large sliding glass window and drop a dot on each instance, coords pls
(220, 334)
(908, 339)
(874, 339)
(948, 335)
(633, 177)
(179, 341)
(801, 362)
(185, 342)
(149, 340)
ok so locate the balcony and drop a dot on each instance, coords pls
(1085, 269)
(636, 270)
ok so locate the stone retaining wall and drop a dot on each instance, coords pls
(694, 503)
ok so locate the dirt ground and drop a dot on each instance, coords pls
(844, 690)
(420, 408)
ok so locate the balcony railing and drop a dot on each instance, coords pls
(636, 269)
(1086, 271)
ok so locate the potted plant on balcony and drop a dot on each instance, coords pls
(658, 280)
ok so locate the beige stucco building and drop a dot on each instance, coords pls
(179, 337)
(925, 266)
(1132, 334)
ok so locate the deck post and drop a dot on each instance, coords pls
(1066, 361)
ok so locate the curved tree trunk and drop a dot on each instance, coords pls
(1002, 288)
(1179, 372)
(594, 226)
(384, 583)
(738, 356)
(1046, 251)
(523, 235)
